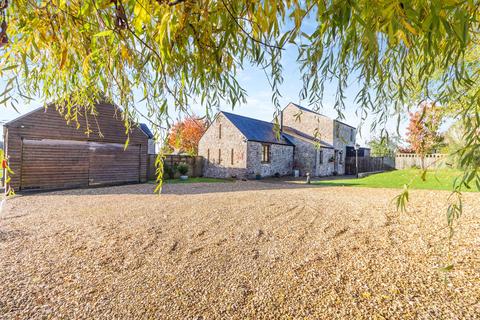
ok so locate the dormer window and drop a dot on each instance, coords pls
(219, 131)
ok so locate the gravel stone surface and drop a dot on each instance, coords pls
(243, 250)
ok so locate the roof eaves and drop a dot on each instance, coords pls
(20, 117)
(270, 142)
(345, 124)
(307, 138)
(146, 130)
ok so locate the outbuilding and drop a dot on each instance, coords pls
(45, 152)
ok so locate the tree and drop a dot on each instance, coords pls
(179, 51)
(384, 146)
(455, 143)
(422, 131)
(185, 135)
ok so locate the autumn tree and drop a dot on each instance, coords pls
(422, 131)
(185, 135)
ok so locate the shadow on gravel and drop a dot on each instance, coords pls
(11, 234)
(183, 189)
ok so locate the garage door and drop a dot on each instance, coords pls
(50, 164)
(111, 164)
(56, 164)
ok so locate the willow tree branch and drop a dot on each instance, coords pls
(235, 19)
(174, 3)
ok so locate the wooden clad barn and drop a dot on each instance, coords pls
(46, 153)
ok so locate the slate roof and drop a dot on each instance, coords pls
(256, 130)
(294, 132)
(146, 130)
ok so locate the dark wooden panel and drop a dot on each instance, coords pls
(52, 164)
(365, 164)
(111, 164)
(107, 126)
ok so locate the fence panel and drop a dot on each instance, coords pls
(409, 160)
(368, 164)
(194, 163)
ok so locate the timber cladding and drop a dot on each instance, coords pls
(47, 153)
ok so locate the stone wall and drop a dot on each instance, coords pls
(309, 159)
(343, 136)
(308, 122)
(326, 168)
(229, 139)
(334, 132)
(281, 160)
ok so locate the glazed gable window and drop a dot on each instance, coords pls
(265, 153)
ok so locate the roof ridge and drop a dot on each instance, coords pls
(254, 129)
(238, 115)
(315, 112)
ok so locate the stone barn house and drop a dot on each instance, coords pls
(242, 147)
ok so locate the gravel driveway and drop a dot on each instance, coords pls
(237, 250)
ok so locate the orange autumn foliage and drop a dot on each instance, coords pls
(422, 131)
(185, 135)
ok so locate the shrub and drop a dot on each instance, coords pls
(169, 171)
(182, 168)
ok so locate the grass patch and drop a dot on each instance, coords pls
(441, 179)
(197, 180)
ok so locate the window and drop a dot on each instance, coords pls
(265, 153)
(231, 155)
(320, 156)
(208, 155)
(340, 155)
(219, 131)
(219, 156)
(352, 137)
(337, 130)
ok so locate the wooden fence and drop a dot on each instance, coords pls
(194, 163)
(409, 160)
(368, 164)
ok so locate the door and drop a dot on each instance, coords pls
(111, 164)
(54, 164)
(335, 161)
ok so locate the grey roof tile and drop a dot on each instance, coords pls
(146, 130)
(256, 130)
